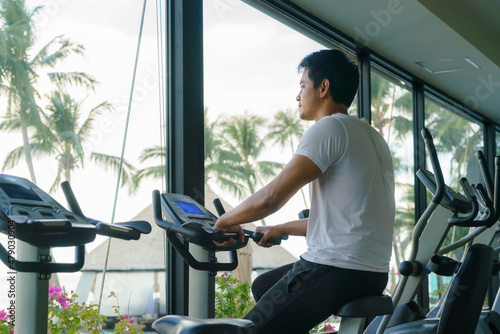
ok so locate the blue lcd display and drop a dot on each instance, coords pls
(189, 208)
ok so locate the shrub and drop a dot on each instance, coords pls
(232, 297)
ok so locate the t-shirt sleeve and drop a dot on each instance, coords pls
(324, 143)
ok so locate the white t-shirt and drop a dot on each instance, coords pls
(352, 203)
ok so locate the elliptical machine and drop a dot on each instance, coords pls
(34, 223)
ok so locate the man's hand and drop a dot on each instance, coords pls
(270, 232)
(230, 229)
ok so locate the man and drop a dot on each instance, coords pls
(349, 231)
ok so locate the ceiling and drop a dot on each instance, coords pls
(443, 35)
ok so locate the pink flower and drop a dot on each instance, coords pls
(125, 316)
(131, 320)
(54, 291)
(65, 306)
(3, 315)
(62, 300)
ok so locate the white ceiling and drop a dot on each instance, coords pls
(409, 32)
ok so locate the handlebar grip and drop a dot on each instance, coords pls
(256, 236)
(469, 220)
(483, 195)
(436, 167)
(71, 199)
(126, 230)
(219, 207)
(483, 166)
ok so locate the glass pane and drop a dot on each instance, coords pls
(252, 125)
(457, 139)
(77, 131)
(391, 107)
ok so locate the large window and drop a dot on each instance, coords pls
(252, 126)
(391, 110)
(457, 139)
(79, 129)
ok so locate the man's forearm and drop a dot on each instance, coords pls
(294, 227)
(257, 206)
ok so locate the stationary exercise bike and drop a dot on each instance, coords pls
(34, 223)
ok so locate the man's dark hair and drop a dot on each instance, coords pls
(335, 66)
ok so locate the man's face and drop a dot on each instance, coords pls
(308, 97)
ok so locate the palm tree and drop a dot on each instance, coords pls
(20, 73)
(155, 153)
(286, 127)
(231, 155)
(240, 135)
(219, 161)
(63, 139)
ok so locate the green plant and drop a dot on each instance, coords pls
(232, 297)
(125, 323)
(323, 328)
(5, 326)
(67, 316)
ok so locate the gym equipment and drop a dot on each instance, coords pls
(194, 223)
(431, 228)
(489, 322)
(427, 238)
(34, 222)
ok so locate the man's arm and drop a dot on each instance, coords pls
(296, 174)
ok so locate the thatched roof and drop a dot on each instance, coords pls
(147, 254)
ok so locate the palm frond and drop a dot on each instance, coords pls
(61, 79)
(109, 162)
(13, 158)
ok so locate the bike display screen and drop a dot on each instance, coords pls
(19, 192)
(189, 208)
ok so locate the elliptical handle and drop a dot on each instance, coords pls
(469, 220)
(485, 172)
(436, 167)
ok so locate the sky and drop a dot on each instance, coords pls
(250, 65)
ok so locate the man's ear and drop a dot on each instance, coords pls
(324, 88)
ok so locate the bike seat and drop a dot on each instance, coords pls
(178, 324)
(368, 306)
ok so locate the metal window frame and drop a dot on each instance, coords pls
(185, 127)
